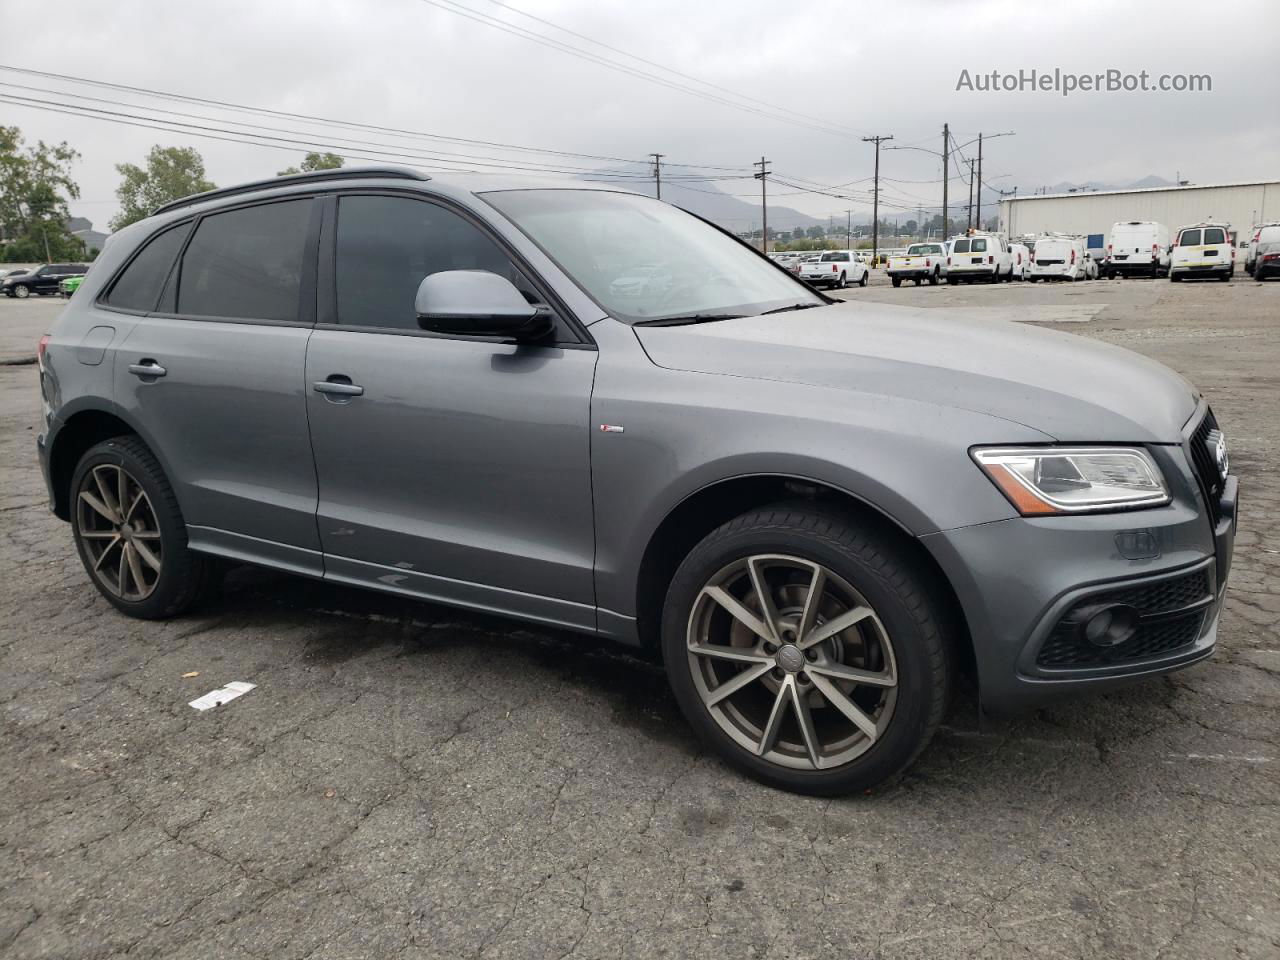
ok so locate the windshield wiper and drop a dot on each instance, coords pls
(692, 318)
(792, 306)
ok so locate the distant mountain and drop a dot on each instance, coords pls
(1087, 186)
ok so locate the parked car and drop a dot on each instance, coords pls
(1137, 247)
(1268, 260)
(70, 285)
(982, 257)
(1263, 233)
(921, 262)
(836, 269)
(42, 280)
(1058, 258)
(1020, 254)
(812, 512)
(1203, 250)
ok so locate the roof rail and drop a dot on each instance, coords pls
(316, 176)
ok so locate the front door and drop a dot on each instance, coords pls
(451, 468)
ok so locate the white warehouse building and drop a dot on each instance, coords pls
(1091, 214)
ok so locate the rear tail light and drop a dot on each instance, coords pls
(1073, 256)
(1109, 248)
(948, 261)
(1271, 256)
(991, 259)
(41, 347)
(833, 268)
(927, 263)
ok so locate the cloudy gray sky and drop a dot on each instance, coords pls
(831, 72)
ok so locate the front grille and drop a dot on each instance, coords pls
(1166, 623)
(1206, 467)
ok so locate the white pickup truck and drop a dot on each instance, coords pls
(922, 261)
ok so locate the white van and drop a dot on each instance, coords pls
(1020, 255)
(983, 257)
(1203, 250)
(1058, 258)
(1137, 247)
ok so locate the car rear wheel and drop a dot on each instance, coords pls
(130, 533)
(842, 283)
(896, 281)
(933, 279)
(21, 291)
(805, 651)
(862, 282)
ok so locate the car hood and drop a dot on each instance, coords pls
(1068, 387)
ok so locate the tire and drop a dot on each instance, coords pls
(1226, 277)
(933, 279)
(916, 281)
(899, 646)
(842, 282)
(182, 578)
(862, 281)
(21, 291)
(896, 281)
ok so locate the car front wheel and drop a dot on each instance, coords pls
(805, 650)
(21, 291)
(130, 533)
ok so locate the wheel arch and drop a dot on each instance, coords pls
(78, 432)
(715, 503)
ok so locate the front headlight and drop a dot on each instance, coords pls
(1049, 480)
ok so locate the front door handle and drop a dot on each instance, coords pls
(147, 368)
(338, 386)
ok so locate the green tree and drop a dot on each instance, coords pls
(35, 186)
(171, 174)
(315, 161)
(815, 232)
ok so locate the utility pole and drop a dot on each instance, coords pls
(969, 221)
(875, 202)
(657, 172)
(763, 176)
(946, 176)
(978, 218)
(848, 229)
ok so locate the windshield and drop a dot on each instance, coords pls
(642, 259)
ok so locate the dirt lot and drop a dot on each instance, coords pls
(407, 781)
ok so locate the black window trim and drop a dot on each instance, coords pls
(327, 287)
(307, 276)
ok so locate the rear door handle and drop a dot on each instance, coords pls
(147, 368)
(338, 386)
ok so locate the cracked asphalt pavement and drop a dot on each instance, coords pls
(408, 781)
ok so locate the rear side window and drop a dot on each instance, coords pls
(246, 264)
(386, 245)
(1189, 238)
(1215, 235)
(138, 288)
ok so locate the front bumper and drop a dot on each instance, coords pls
(1019, 580)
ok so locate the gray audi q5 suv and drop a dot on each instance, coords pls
(591, 410)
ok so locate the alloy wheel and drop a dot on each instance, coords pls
(792, 662)
(117, 525)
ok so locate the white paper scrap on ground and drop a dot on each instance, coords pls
(216, 698)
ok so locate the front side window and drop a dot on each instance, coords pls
(246, 263)
(1189, 238)
(643, 260)
(386, 245)
(1215, 235)
(138, 287)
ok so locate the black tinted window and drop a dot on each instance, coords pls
(138, 288)
(386, 245)
(1215, 235)
(246, 263)
(1189, 238)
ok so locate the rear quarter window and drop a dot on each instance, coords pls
(138, 286)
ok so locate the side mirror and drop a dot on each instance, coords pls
(477, 303)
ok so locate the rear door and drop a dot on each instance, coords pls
(453, 468)
(213, 375)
